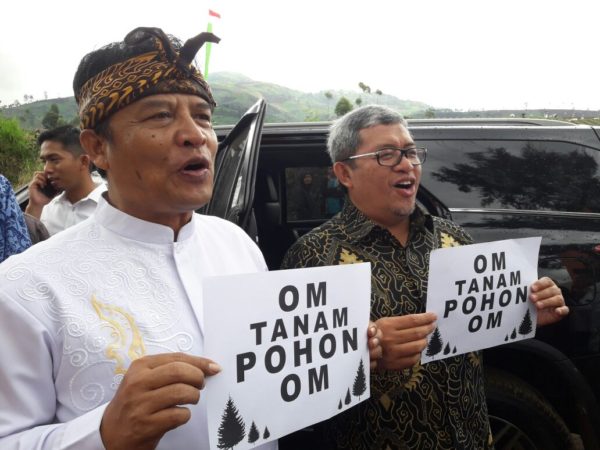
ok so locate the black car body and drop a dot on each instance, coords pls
(499, 179)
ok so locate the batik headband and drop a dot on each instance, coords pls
(160, 71)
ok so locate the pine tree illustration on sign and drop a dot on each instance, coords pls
(360, 381)
(526, 326)
(266, 434)
(231, 430)
(253, 434)
(435, 343)
(348, 399)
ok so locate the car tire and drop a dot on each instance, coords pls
(520, 417)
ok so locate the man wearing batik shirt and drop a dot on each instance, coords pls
(440, 405)
(102, 342)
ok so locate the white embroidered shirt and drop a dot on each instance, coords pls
(75, 310)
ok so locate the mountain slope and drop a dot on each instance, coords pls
(234, 94)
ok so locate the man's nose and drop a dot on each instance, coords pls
(404, 165)
(189, 133)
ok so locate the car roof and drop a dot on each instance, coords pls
(488, 121)
(319, 127)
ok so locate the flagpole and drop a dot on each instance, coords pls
(208, 48)
(211, 14)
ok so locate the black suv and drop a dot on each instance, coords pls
(499, 179)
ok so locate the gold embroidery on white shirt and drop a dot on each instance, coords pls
(124, 331)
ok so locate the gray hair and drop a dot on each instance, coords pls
(344, 138)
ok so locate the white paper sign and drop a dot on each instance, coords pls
(480, 294)
(293, 348)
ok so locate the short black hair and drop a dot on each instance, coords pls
(67, 135)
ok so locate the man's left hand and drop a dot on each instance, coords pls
(548, 300)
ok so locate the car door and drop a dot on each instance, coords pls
(235, 170)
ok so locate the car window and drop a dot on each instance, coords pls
(231, 168)
(523, 175)
(312, 193)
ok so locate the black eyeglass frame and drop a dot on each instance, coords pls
(420, 152)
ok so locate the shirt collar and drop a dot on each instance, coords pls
(94, 195)
(137, 229)
(358, 225)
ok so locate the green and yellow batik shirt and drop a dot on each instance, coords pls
(437, 406)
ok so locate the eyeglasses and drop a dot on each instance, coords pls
(391, 156)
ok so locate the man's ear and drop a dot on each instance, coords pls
(343, 173)
(85, 161)
(95, 147)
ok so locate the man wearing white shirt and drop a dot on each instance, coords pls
(102, 342)
(65, 192)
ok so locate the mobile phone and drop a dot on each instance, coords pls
(49, 190)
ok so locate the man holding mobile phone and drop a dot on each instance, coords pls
(65, 192)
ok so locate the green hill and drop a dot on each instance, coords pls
(235, 93)
(30, 115)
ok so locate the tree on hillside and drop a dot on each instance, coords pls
(429, 113)
(329, 97)
(343, 106)
(358, 101)
(18, 152)
(52, 118)
(363, 87)
(27, 118)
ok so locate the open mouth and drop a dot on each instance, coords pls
(406, 185)
(195, 167)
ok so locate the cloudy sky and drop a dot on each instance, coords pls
(463, 54)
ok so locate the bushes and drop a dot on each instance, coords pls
(18, 152)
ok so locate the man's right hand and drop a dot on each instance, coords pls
(146, 405)
(404, 338)
(37, 199)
